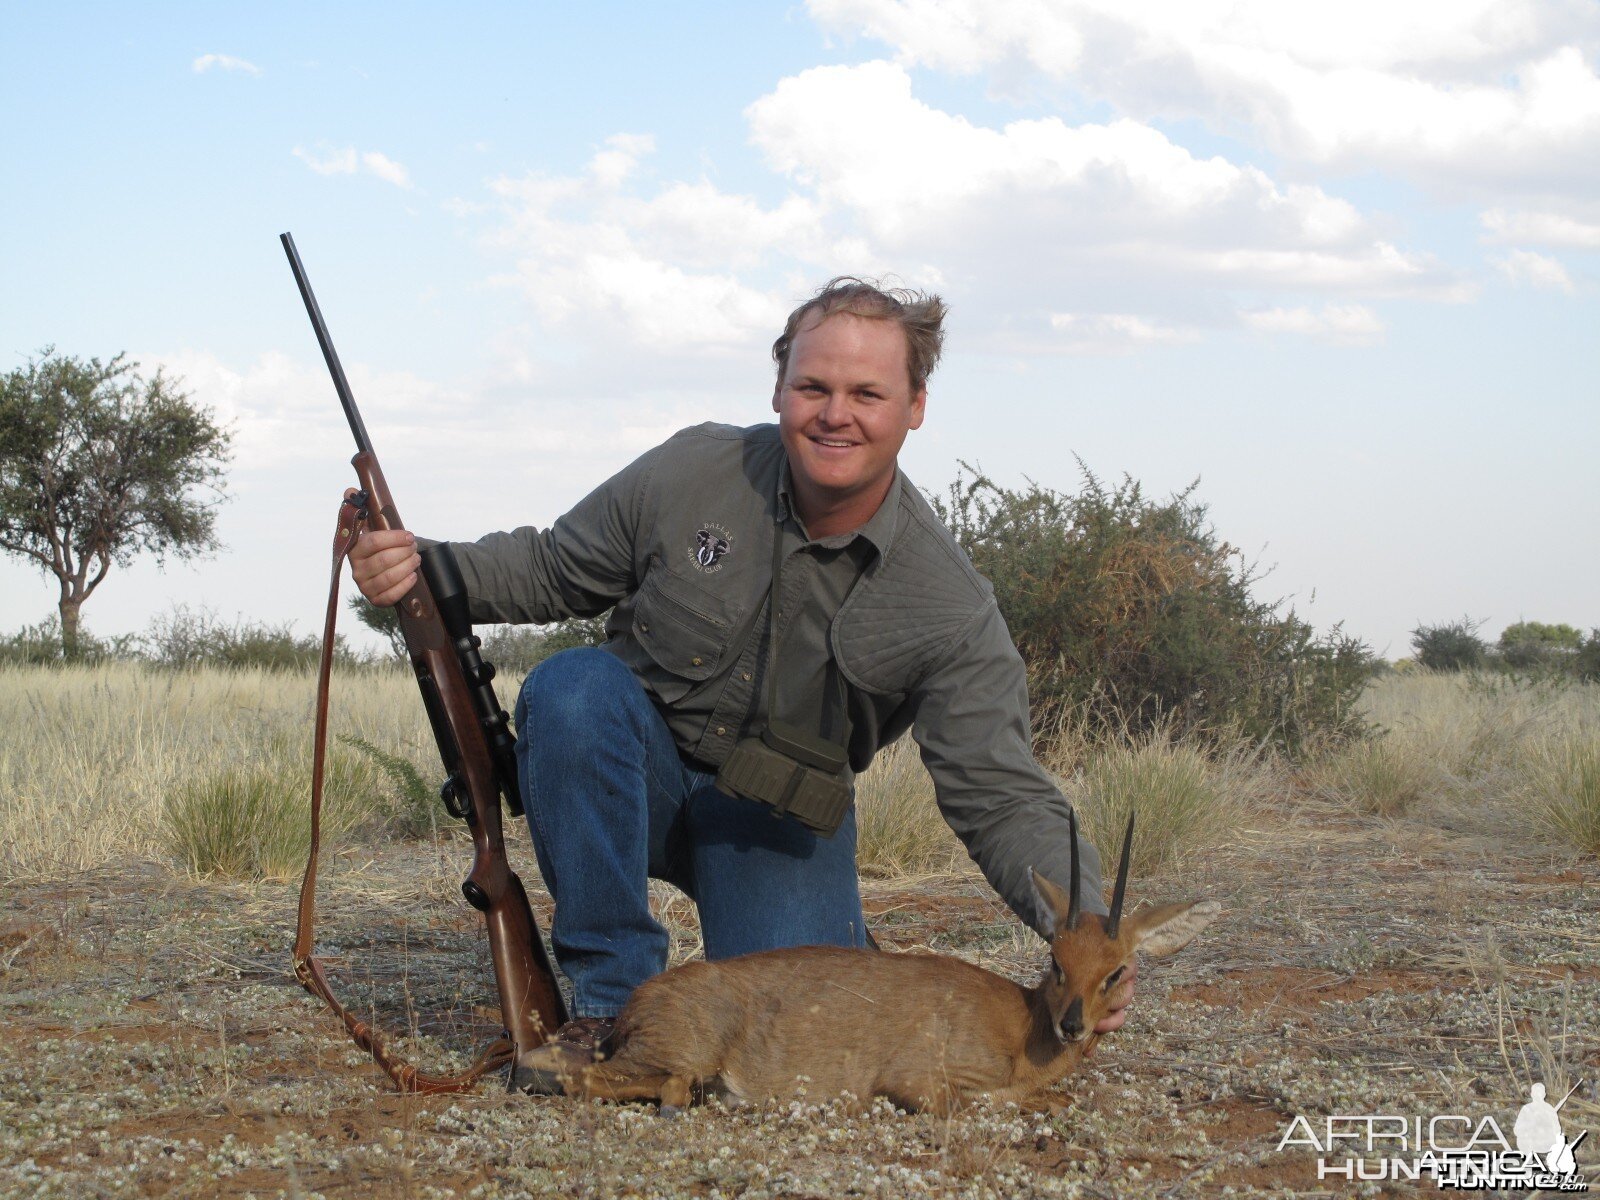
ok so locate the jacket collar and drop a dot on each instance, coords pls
(880, 527)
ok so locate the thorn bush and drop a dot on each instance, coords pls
(1133, 615)
(1453, 646)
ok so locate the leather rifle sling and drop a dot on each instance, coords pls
(352, 521)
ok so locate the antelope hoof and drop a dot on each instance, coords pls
(551, 1070)
(670, 1112)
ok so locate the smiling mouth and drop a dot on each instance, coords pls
(833, 443)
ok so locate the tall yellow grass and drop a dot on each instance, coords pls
(1484, 747)
(92, 758)
(211, 769)
(898, 827)
(96, 764)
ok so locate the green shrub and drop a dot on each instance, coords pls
(417, 808)
(517, 649)
(186, 638)
(385, 621)
(1537, 649)
(1455, 646)
(1132, 615)
(1541, 633)
(1531, 657)
(40, 645)
(1586, 662)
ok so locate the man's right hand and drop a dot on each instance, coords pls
(384, 563)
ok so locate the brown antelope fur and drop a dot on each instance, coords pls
(927, 1031)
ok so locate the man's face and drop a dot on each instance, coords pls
(844, 408)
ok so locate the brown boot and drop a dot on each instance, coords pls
(546, 1070)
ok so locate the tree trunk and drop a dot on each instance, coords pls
(69, 628)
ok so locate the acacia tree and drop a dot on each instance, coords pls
(98, 465)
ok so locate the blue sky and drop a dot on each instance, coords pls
(1343, 273)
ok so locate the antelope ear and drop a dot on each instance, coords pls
(1054, 902)
(1170, 927)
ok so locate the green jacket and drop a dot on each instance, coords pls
(679, 546)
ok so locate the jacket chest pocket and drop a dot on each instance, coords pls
(684, 629)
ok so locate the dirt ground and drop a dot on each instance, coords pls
(152, 1042)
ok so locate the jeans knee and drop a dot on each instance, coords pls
(573, 692)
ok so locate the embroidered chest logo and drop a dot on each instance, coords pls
(711, 542)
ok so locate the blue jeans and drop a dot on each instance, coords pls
(610, 804)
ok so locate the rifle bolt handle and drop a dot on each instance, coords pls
(454, 797)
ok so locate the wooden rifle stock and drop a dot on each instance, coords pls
(529, 999)
(475, 744)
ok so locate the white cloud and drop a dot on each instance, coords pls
(1541, 228)
(1500, 95)
(224, 62)
(1534, 270)
(1128, 238)
(1348, 324)
(348, 161)
(386, 169)
(664, 269)
(1047, 205)
(275, 406)
(1115, 333)
(287, 419)
(334, 162)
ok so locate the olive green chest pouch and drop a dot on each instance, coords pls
(796, 773)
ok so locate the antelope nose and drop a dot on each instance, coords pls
(1071, 1023)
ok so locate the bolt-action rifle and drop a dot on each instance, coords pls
(476, 744)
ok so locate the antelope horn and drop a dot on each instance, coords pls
(1072, 907)
(1115, 919)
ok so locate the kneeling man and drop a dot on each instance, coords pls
(783, 604)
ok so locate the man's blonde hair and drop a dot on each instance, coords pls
(919, 314)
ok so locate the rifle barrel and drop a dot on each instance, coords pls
(329, 354)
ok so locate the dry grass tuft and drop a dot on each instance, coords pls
(1563, 787)
(899, 830)
(1186, 798)
(250, 820)
(1383, 776)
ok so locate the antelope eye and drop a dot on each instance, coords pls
(1055, 969)
(1111, 979)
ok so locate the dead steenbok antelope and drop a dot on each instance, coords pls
(927, 1031)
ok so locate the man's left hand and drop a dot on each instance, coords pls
(1120, 999)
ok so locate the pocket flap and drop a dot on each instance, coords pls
(682, 627)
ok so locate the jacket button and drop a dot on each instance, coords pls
(747, 676)
(643, 628)
(721, 729)
(695, 661)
